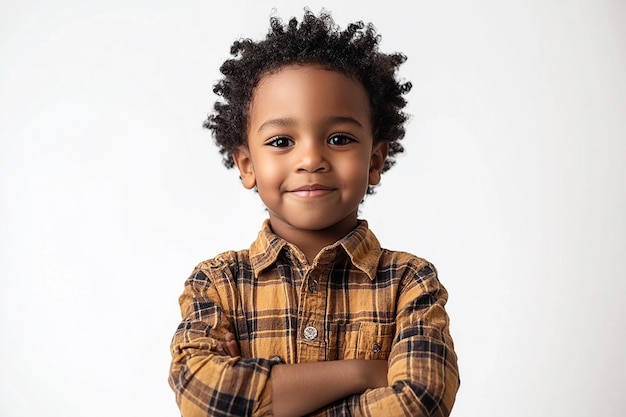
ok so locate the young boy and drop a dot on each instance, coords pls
(314, 317)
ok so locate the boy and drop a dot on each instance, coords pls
(315, 317)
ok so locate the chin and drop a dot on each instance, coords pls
(320, 224)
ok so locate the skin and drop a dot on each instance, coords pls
(311, 155)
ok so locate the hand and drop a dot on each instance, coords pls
(229, 346)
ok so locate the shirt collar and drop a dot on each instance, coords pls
(361, 245)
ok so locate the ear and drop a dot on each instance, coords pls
(242, 159)
(377, 161)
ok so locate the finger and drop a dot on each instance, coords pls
(230, 345)
(232, 348)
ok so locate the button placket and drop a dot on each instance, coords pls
(310, 332)
(312, 315)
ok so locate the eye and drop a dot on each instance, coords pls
(280, 142)
(340, 139)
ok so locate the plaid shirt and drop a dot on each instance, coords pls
(356, 301)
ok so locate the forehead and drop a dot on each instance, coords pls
(310, 92)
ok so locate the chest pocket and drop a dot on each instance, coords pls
(360, 340)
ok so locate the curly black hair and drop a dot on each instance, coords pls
(318, 41)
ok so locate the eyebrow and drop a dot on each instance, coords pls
(288, 121)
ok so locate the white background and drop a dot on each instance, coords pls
(513, 184)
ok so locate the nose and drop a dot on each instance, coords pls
(312, 157)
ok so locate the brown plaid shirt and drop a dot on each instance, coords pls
(356, 301)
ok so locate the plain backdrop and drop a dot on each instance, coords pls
(513, 184)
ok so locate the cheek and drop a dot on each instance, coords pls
(357, 174)
(268, 174)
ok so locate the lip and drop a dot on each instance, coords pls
(312, 190)
(313, 187)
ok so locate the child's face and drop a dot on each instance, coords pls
(311, 152)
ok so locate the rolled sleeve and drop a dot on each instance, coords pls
(206, 383)
(423, 373)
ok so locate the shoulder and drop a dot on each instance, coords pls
(405, 261)
(406, 265)
(225, 260)
(417, 279)
(220, 269)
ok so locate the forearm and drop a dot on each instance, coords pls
(299, 389)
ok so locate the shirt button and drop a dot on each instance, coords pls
(310, 333)
(376, 347)
(313, 285)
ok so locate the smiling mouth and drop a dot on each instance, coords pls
(314, 190)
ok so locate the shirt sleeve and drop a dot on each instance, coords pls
(206, 383)
(423, 374)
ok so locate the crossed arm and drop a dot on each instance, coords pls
(292, 384)
(210, 377)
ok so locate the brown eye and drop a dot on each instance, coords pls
(339, 140)
(280, 142)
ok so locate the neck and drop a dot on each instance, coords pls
(311, 242)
